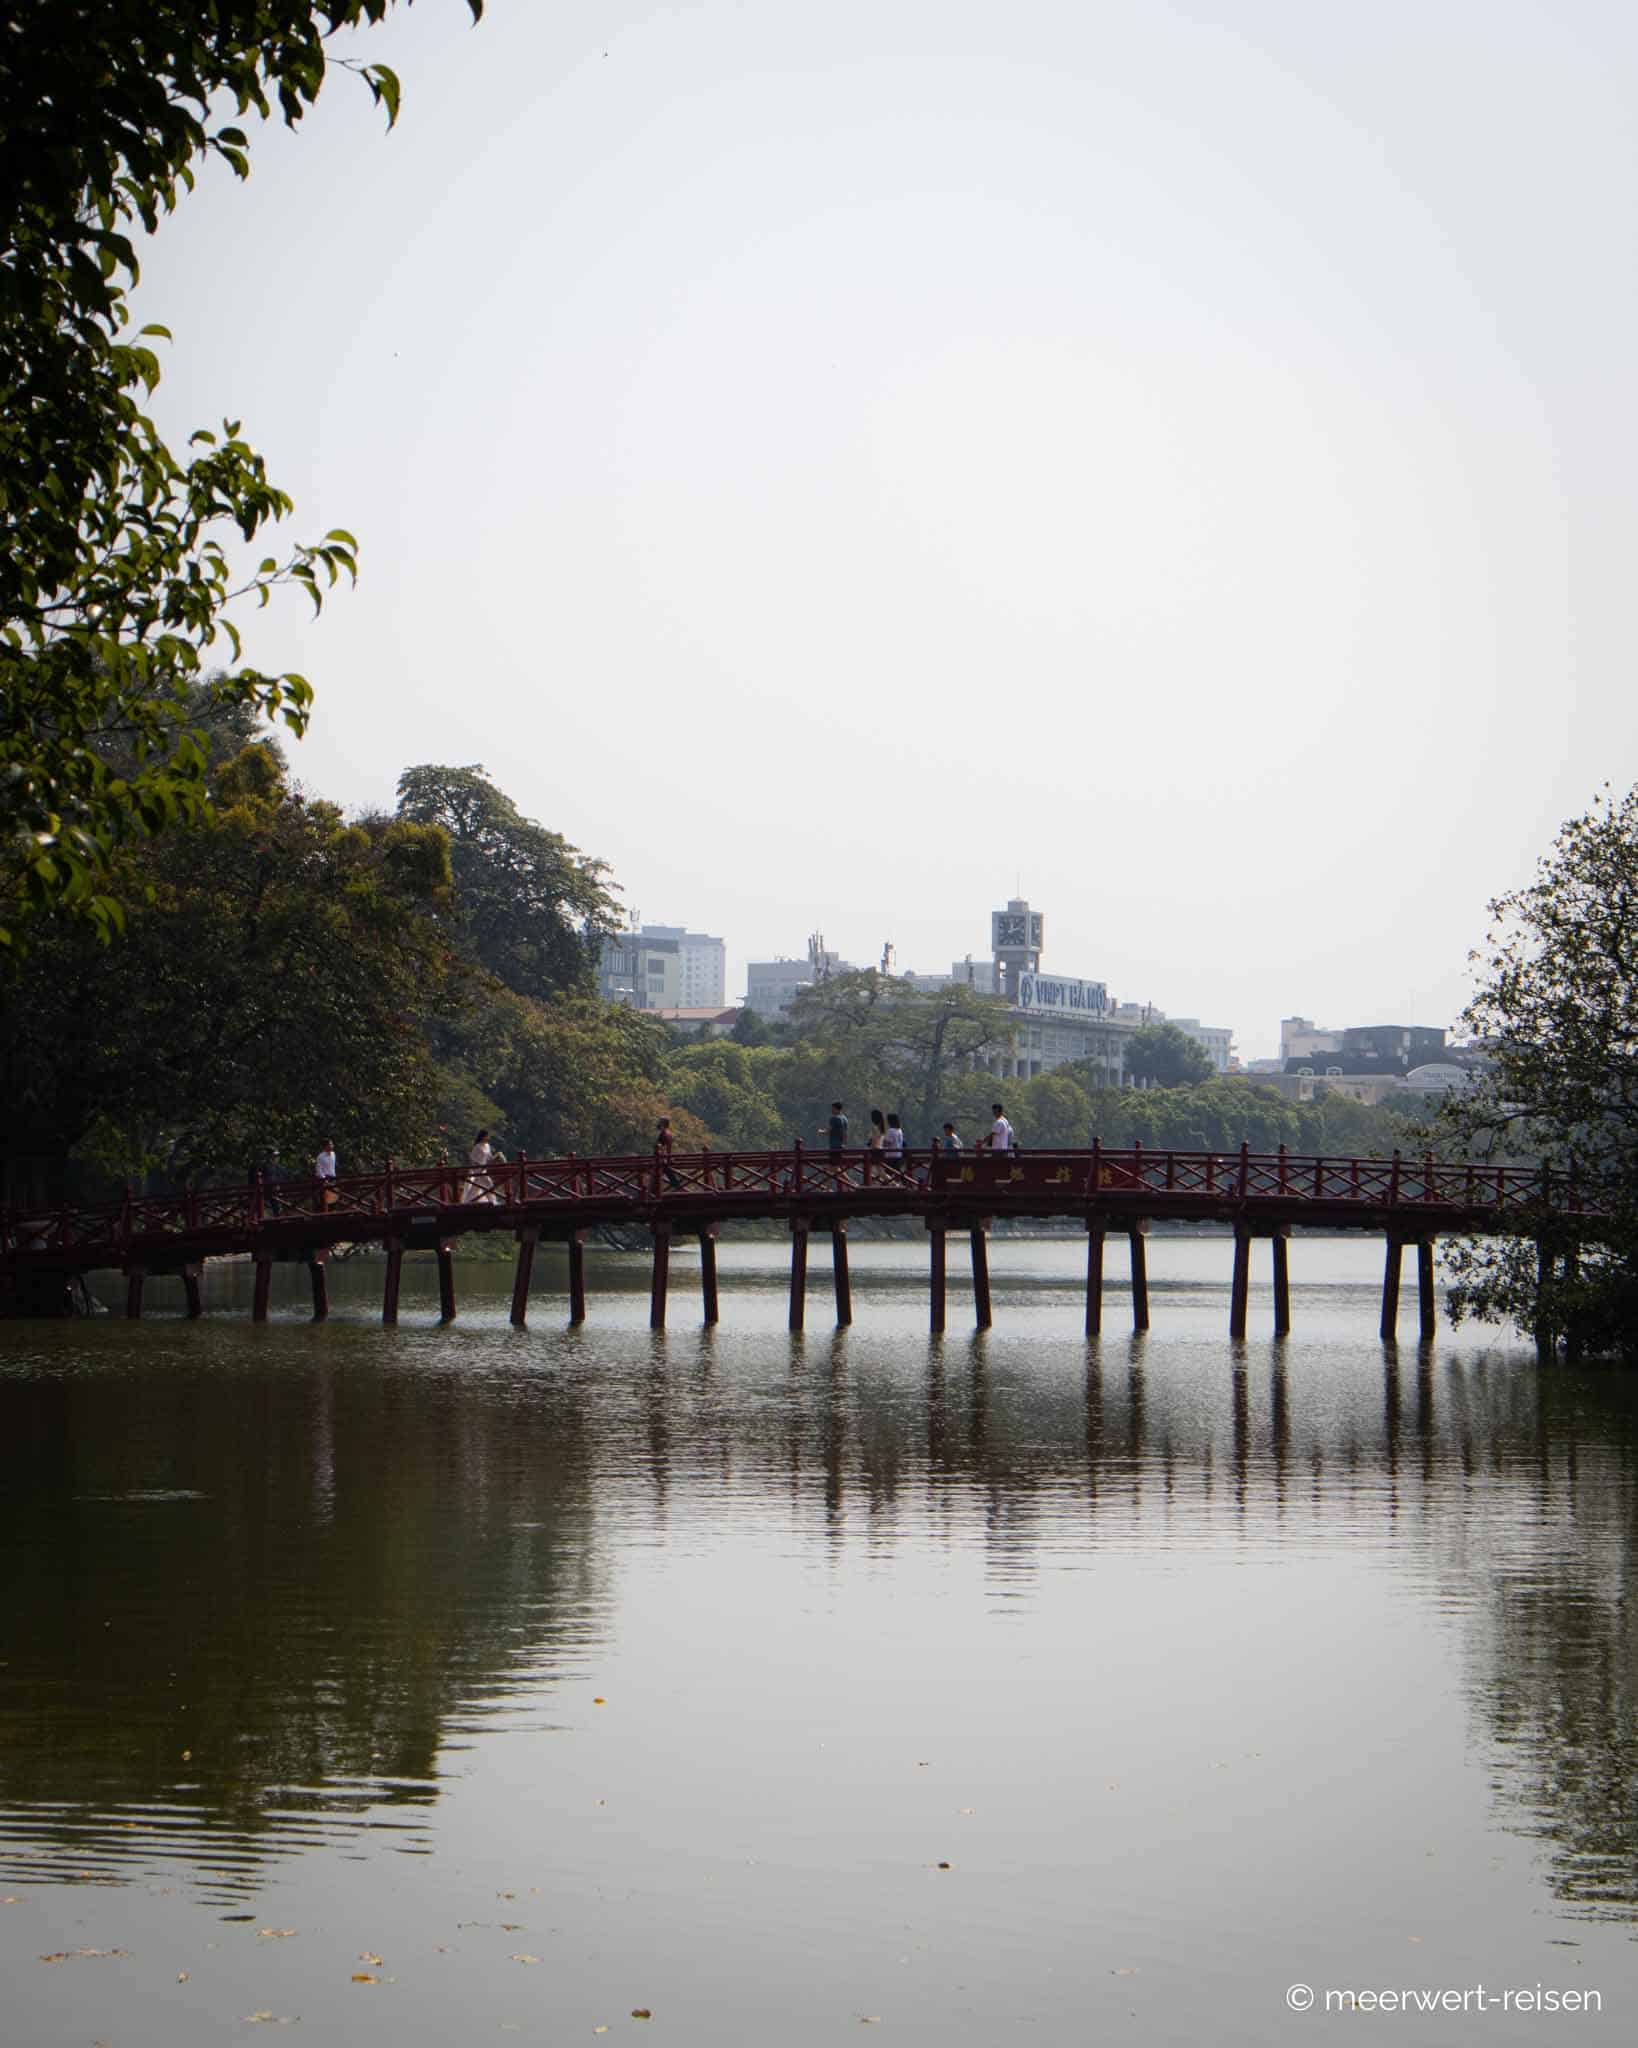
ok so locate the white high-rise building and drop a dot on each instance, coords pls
(702, 965)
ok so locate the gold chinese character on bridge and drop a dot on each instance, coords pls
(1061, 1175)
(966, 1173)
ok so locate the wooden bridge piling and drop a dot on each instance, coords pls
(577, 1278)
(192, 1291)
(979, 1236)
(261, 1290)
(318, 1274)
(1240, 1288)
(1393, 1260)
(134, 1277)
(840, 1275)
(1279, 1251)
(1426, 1300)
(937, 1243)
(1094, 1279)
(708, 1274)
(446, 1282)
(527, 1239)
(1137, 1238)
(799, 1271)
(660, 1280)
(390, 1284)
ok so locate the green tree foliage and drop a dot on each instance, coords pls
(276, 984)
(115, 571)
(730, 1090)
(1558, 1006)
(529, 908)
(915, 1046)
(1165, 1057)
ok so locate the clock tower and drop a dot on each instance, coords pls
(1015, 942)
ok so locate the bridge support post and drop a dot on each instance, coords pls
(1279, 1248)
(660, 1284)
(528, 1238)
(799, 1271)
(446, 1282)
(1138, 1238)
(1546, 1335)
(318, 1274)
(389, 1286)
(708, 1273)
(262, 1290)
(1240, 1290)
(1427, 1316)
(577, 1278)
(1094, 1279)
(192, 1293)
(134, 1277)
(839, 1273)
(1388, 1329)
(981, 1272)
(937, 1244)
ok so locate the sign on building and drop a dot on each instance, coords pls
(1066, 998)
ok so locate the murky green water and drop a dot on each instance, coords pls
(429, 1685)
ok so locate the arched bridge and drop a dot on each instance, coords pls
(1409, 1201)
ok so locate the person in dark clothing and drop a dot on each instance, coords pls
(663, 1142)
(836, 1129)
(268, 1170)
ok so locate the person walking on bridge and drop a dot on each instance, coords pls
(663, 1142)
(324, 1172)
(479, 1186)
(999, 1137)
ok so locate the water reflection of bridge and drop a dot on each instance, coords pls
(356, 1565)
(1409, 1202)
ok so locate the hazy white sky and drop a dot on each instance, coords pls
(834, 462)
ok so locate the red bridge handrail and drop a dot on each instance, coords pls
(1201, 1182)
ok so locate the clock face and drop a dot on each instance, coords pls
(1011, 930)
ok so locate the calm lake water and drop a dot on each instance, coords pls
(435, 1685)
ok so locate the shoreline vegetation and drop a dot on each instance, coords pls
(395, 981)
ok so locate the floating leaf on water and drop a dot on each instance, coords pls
(364, 1956)
(944, 1866)
(365, 1977)
(187, 1756)
(523, 1959)
(641, 2012)
(181, 1976)
(1127, 1970)
(64, 1955)
(274, 1933)
(599, 1701)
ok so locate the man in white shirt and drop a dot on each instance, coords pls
(1000, 1139)
(324, 1169)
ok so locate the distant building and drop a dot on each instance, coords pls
(700, 1021)
(642, 973)
(702, 964)
(1382, 1046)
(1217, 1041)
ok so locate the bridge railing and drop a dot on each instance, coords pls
(745, 1179)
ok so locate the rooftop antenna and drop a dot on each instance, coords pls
(887, 956)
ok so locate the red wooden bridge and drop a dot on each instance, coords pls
(1408, 1201)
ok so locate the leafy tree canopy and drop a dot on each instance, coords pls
(278, 979)
(115, 576)
(919, 1042)
(1557, 1005)
(1167, 1057)
(529, 908)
